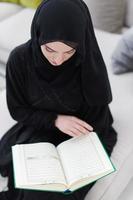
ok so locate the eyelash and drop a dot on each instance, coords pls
(53, 51)
(48, 50)
(70, 52)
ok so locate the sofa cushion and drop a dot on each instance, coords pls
(8, 9)
(122, 57)
(9, 37)
(129, 13)
(107, 15)
(30, 3)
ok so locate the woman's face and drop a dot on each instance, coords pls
(57, 52)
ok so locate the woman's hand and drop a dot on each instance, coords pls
(72, 126)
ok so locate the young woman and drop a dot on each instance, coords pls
(57, 88)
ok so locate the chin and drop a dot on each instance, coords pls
(55, 64)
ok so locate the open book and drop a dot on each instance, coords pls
(71, 165)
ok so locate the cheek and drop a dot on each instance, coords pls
(68, 56)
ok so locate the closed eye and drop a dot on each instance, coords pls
(51, 50)
(71, 51)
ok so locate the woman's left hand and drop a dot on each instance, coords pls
(72, 125)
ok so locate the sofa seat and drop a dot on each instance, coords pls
(112, 186)
(9, 37)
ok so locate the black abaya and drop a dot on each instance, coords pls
(29, 106)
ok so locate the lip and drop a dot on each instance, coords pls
(54, 63)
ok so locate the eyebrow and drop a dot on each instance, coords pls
(56, 51)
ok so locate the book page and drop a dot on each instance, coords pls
(82, 157)
(39, 163)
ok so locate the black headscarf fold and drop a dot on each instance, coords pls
(69, 21)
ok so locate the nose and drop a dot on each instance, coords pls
(59, 59)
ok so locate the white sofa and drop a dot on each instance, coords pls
(112, 186)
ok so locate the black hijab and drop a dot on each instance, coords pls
(69, 21)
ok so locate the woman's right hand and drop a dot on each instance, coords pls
(72, 126)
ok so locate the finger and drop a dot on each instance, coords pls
(81, 129)
(77, 131)
(83, 123)
(71, 133)
(74, 131)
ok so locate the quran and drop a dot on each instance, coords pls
(67, 167)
